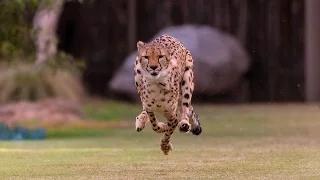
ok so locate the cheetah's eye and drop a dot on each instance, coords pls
(145, 57)
(160, 56)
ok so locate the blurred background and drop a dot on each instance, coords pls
(66, 79)
(57, 56)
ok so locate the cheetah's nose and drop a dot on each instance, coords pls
(153, 67)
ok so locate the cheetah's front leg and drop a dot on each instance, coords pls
(144, 117)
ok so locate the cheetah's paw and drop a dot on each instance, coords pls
(184, 126)
(196, 130)
(166, 148)
(141, 122)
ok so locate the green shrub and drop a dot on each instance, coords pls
(21, 81)
(15, 27)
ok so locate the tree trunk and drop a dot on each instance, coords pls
(45, 25)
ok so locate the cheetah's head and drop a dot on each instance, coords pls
(153, 57)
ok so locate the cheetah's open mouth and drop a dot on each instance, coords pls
(154, 74)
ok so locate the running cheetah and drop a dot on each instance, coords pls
(163, 74)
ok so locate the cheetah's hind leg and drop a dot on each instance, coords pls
(141, 120)
(195, 122)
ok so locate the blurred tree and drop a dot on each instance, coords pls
(15, 30)
(45, 25)
(28, 35)
(29, 26)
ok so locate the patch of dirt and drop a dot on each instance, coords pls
(46, 110)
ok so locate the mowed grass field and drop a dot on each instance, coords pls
(238, 142)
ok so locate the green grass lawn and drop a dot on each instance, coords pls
(238, 142)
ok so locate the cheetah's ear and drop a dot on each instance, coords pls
(140, 44)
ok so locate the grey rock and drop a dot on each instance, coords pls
(220, 61)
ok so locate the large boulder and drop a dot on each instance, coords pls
(220, 61)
